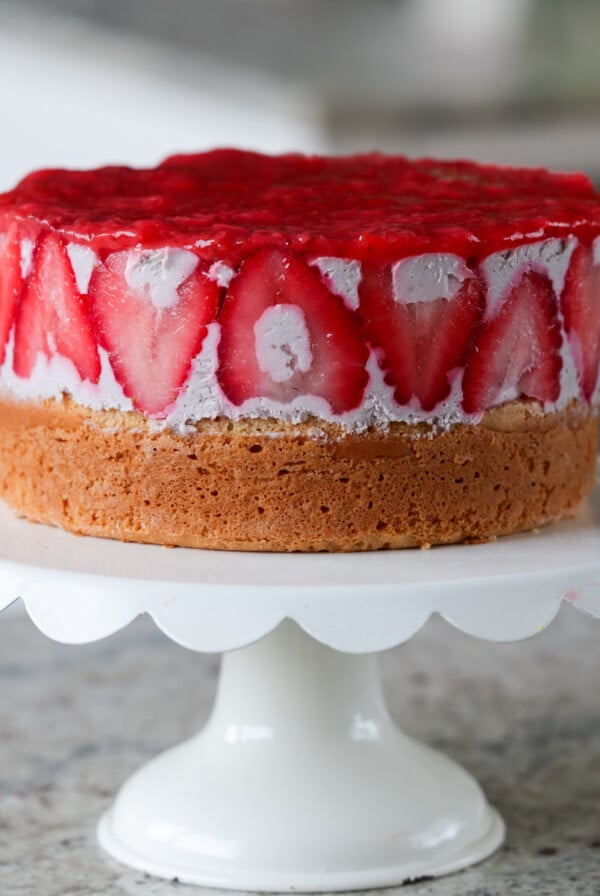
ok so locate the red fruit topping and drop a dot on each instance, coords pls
(52, 315)
(518, 351)
(150, 310)
(365, 207)
(422, 341)
(283, 334)
(580, 303)
(10, 284)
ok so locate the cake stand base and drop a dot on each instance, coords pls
(300, 781)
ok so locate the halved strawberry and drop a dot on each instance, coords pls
(517, 353)
(150, 310)
(52, 315)
(580, 302)
(10, 284)
(422, 341)
(283, 334)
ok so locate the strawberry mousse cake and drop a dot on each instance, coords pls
(296, 353)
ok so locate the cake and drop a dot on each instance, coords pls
(295, 353)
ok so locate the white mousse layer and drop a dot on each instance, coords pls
(342, 277)
(281, 337)
(83, 261)
(159, 273)
(282, 342)
(426, 278)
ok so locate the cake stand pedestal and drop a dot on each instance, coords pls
(300, 780)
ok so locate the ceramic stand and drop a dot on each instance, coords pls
(300, 779)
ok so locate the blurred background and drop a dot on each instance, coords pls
(87, 82)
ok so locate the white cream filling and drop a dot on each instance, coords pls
(342, 277)
(282, 339)
(27, 247)
(425, 278)
(54, 376)
(83, 261)
(221, 273)
(159, 273)
(282, 342)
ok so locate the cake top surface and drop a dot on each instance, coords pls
(219, 202)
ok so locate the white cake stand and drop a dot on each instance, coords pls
(300, 779)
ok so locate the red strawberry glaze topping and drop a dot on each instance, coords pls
(376, 285)
(227, 203)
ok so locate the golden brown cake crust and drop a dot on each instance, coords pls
(263, 485)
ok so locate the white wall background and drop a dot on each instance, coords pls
(73, 96)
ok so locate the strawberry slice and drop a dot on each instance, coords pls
(150, 309)
(283, 334)
(422, 340)
(52, 315)
(580, 302)
(518, 351)
(10, 284)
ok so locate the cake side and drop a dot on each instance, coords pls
(264, 485)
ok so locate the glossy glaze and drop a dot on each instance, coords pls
(226, 203)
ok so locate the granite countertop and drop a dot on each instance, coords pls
(524, 718)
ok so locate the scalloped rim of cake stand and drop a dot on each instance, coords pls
(81, 589)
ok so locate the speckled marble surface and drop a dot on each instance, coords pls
(524, 718)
